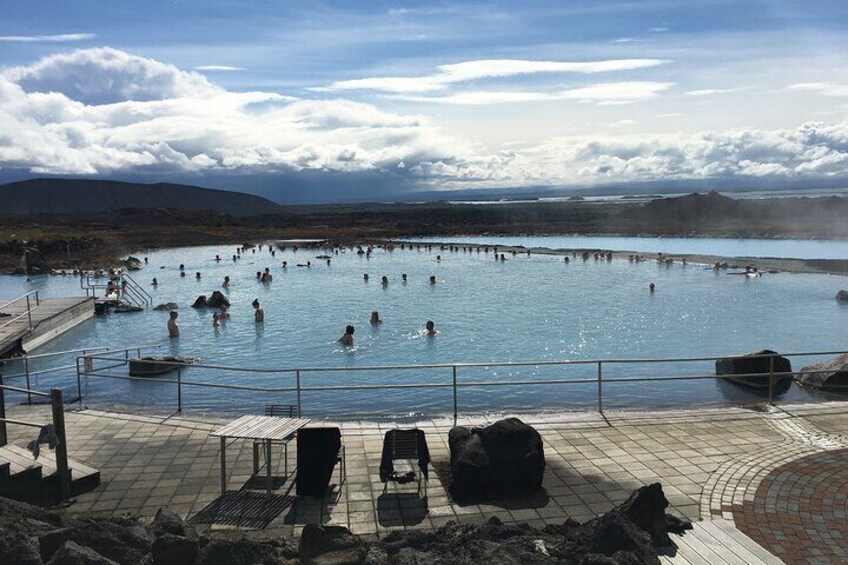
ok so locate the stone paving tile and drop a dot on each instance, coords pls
(709, 462)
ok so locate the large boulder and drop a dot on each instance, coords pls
(763, 361)
(217, 300)
(167, 522)
(32, 263)
(119, 539)
(170, 549)
(831, 375)
(168, 306)
(506, 457)
(238, 552)
(133, 263)
(330, 545)
(74, 554)
(842, 296)
(201, 302)
(19, 549)
(22, 517)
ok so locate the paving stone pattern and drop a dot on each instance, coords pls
(710, 462)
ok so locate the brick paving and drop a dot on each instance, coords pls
(800, 510)
(711, 464)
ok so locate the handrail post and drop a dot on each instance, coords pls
(600, 389)
(771, 379)
(179, 389)
(3, 436)
(455, 410)
(29, 386)
(29, 312)
(79, 383)
(299, 408)
(61, 447)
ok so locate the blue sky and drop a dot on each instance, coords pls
(362, 100)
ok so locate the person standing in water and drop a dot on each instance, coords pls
(375, 318)
(226, 282)
(173, 328)
(347, 338)
(258, 312)
(432, 279)
(431, 328)
(651, 287)
(215, 320)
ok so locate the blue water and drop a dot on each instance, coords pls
(533, 308)
(785, 248)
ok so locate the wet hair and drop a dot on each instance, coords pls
(174, 314)
(349, 330)
(255, 303)
(430, 324)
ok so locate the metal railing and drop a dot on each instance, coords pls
(594, 376)
(127, 289)
(30, 297)
(58, 412)
(27, 373)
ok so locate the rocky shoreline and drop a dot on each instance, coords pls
(90, 241)
(634, 532)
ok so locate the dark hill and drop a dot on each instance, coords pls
(80, 196)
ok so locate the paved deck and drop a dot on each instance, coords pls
(51, 317)
(726, 465)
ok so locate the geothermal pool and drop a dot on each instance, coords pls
(535, 308)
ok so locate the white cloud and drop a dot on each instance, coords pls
(608, 93)
(59, 38)
(105, 75)
(218, 68)
(714, 91)
(185, 123)
(465, 71)
(823, 88)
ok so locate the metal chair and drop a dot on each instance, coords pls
(281, 411)
(404, 447)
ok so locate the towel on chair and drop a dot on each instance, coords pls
(387, 467)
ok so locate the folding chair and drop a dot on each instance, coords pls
(403, 446)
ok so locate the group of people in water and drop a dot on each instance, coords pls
(347, 337)
(265, 276)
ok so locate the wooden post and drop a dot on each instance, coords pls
(62, 470)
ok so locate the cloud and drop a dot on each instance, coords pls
(59, 38)
(105, 75)
(607, 93)
(155, 119)
(823, 88)
(219, 68)
(465, 71)
(714, 91)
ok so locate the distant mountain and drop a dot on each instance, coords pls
(81, 196)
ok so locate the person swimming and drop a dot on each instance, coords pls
(432, 279)
(365, 277)
(258, 312)
(347, 338)
(226, 282)
(375, 318)
(155, 282)
(217, 258)
(385, 280)
(403, 277)
(431, 328)
(182, 274)
(173, 327)
(182, 267)
(652, 287)
(197, 275)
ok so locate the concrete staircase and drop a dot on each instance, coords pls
(23, 477)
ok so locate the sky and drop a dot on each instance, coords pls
(345, 101)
